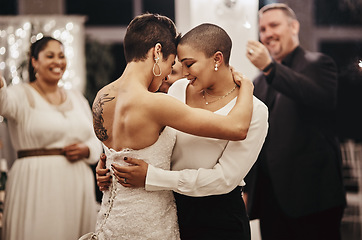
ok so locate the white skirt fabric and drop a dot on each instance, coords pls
(48, 197)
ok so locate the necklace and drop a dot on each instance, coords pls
(207, 102)
(211, 95)
(46, 96)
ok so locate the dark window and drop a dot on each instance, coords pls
(116, 12)
(8, 7)
(163, 7)
(262, 3)
(337, 12)
(102, 12)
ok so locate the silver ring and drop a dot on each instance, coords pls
(124, 180)
(251, 51)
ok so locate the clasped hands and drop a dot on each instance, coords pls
(76, 152)
(133, 175)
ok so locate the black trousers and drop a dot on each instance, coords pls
(213, 217)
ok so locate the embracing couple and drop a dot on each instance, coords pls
(193, 145)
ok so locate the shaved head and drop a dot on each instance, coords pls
(209, 38)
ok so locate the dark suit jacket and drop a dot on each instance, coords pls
(301, 153)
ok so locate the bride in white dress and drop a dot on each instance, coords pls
(134, 213)
(131, 121)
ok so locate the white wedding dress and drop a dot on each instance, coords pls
(134, 213)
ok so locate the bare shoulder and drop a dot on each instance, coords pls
(106, 94)
(110, 89)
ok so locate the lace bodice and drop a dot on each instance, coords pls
(134, 213)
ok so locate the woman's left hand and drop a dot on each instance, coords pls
(239, 78)
(76, 152)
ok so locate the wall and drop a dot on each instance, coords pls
(239, 19)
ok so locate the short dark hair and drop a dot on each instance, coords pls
(281, 6)
(209, 38)
(35, 49)
(145, 31)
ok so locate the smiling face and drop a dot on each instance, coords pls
(196, 67)
(51, 63)
(279, 33)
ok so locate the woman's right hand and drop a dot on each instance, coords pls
(102, 174)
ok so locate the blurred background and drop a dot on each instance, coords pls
(93, 30)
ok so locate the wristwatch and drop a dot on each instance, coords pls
(270, 66)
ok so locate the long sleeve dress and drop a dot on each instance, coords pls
(48, 197)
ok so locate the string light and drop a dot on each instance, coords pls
(19, 32)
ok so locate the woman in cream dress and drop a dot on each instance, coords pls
(50, 188)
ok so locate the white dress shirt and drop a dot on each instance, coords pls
(205, 166)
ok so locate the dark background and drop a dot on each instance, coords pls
(109, 58)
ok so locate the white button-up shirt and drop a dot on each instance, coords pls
(205, 166)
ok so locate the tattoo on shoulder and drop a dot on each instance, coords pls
(97, 108)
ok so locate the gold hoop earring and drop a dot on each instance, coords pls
(154, 66)
(216, 68)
